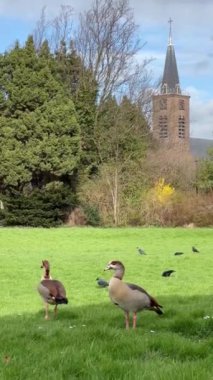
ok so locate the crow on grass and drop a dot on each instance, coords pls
(195, 250)
(168, 273)
(178, 253)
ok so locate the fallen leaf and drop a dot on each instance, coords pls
(6, 359)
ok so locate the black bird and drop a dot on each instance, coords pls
(102, 283)
(178, 253)
(195, 250)
(167, 273)
(141, 251)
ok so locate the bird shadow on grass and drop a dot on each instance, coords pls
(189, 316)
(89, 341)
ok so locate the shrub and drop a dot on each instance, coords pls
(42, 207)
(92, 215)
(184, 208)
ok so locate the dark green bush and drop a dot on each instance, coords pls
(92, 215)
(41, 208)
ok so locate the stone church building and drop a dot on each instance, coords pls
(170, 122)
(171, 112)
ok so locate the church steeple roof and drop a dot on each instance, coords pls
(170, 82)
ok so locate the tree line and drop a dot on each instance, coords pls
(74, 123)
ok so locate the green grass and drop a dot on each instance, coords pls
(88, 339)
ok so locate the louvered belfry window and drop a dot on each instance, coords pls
(181, 127)
(181, 104)
(163, 127)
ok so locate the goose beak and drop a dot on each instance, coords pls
(108, 267)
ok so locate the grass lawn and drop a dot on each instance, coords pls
(88, 339)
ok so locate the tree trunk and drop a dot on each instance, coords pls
(115, 199)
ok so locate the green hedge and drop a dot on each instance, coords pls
(40, 208)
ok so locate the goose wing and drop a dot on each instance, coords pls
(153, 301)
(51, 289)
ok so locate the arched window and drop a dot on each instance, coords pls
(163, 127)
(181, 127)
(164, 89)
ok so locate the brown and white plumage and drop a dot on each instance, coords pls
(129, 297)
(52, 291)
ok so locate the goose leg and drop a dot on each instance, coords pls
(55, 310)
(46, 311)
(127, 319)
(134, 320)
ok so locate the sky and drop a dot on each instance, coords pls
(192, 36)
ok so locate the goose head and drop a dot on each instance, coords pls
(117, 266)
(114, 265)
(45, 264)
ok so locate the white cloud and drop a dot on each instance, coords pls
(31, 10)
(185, 13)
(201, 112)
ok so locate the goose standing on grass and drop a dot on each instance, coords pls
(129, 297)
(52, 291)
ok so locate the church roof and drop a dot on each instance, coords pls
(170, 82)
(199, 147)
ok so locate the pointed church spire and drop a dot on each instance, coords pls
(170, 82)
(170, 31)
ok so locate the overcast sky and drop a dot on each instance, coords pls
(192, 34)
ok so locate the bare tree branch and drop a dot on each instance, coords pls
(107, 43)
(61, 27)
(55, 31)
(39, 33)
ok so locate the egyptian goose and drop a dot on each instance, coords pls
(52, 291)
(129, 297)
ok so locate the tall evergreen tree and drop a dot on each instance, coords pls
(39, 137)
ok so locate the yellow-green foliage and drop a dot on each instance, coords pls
(162, 192)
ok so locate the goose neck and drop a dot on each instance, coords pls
(119, 273)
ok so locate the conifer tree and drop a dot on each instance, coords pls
(39, 136)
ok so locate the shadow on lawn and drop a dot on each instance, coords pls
(187, 316)
(92, 339)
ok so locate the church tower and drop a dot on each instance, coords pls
(170, 118)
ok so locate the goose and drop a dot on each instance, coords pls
(51, 291)
(129, 297)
